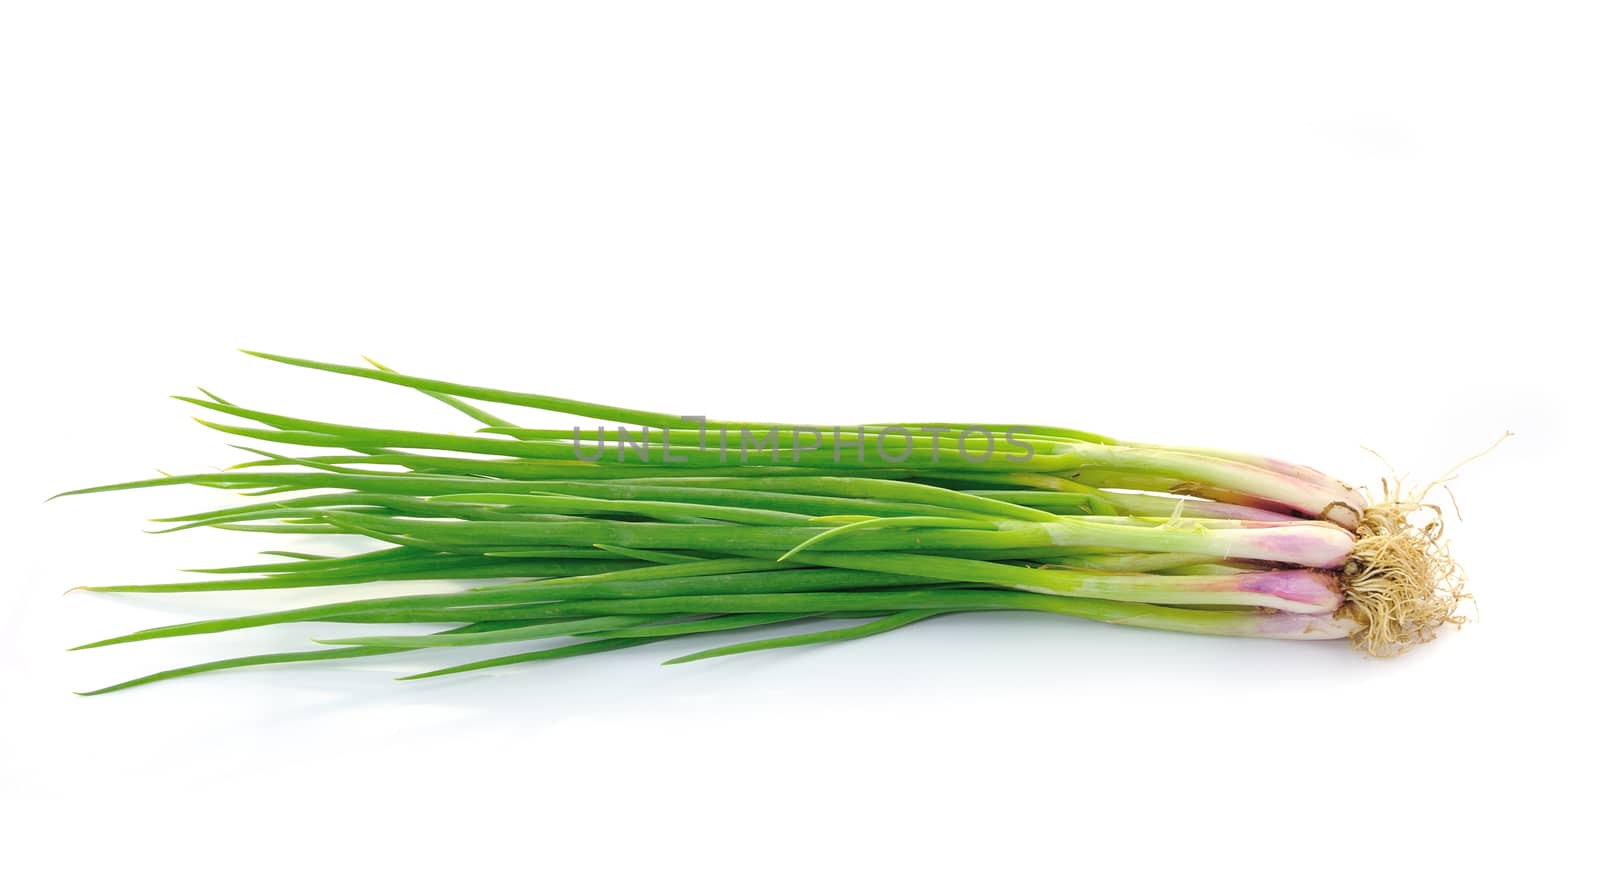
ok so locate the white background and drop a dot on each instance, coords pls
(1251, 225)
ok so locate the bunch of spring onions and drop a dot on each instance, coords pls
(548, 534)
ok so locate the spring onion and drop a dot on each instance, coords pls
(655, 527)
